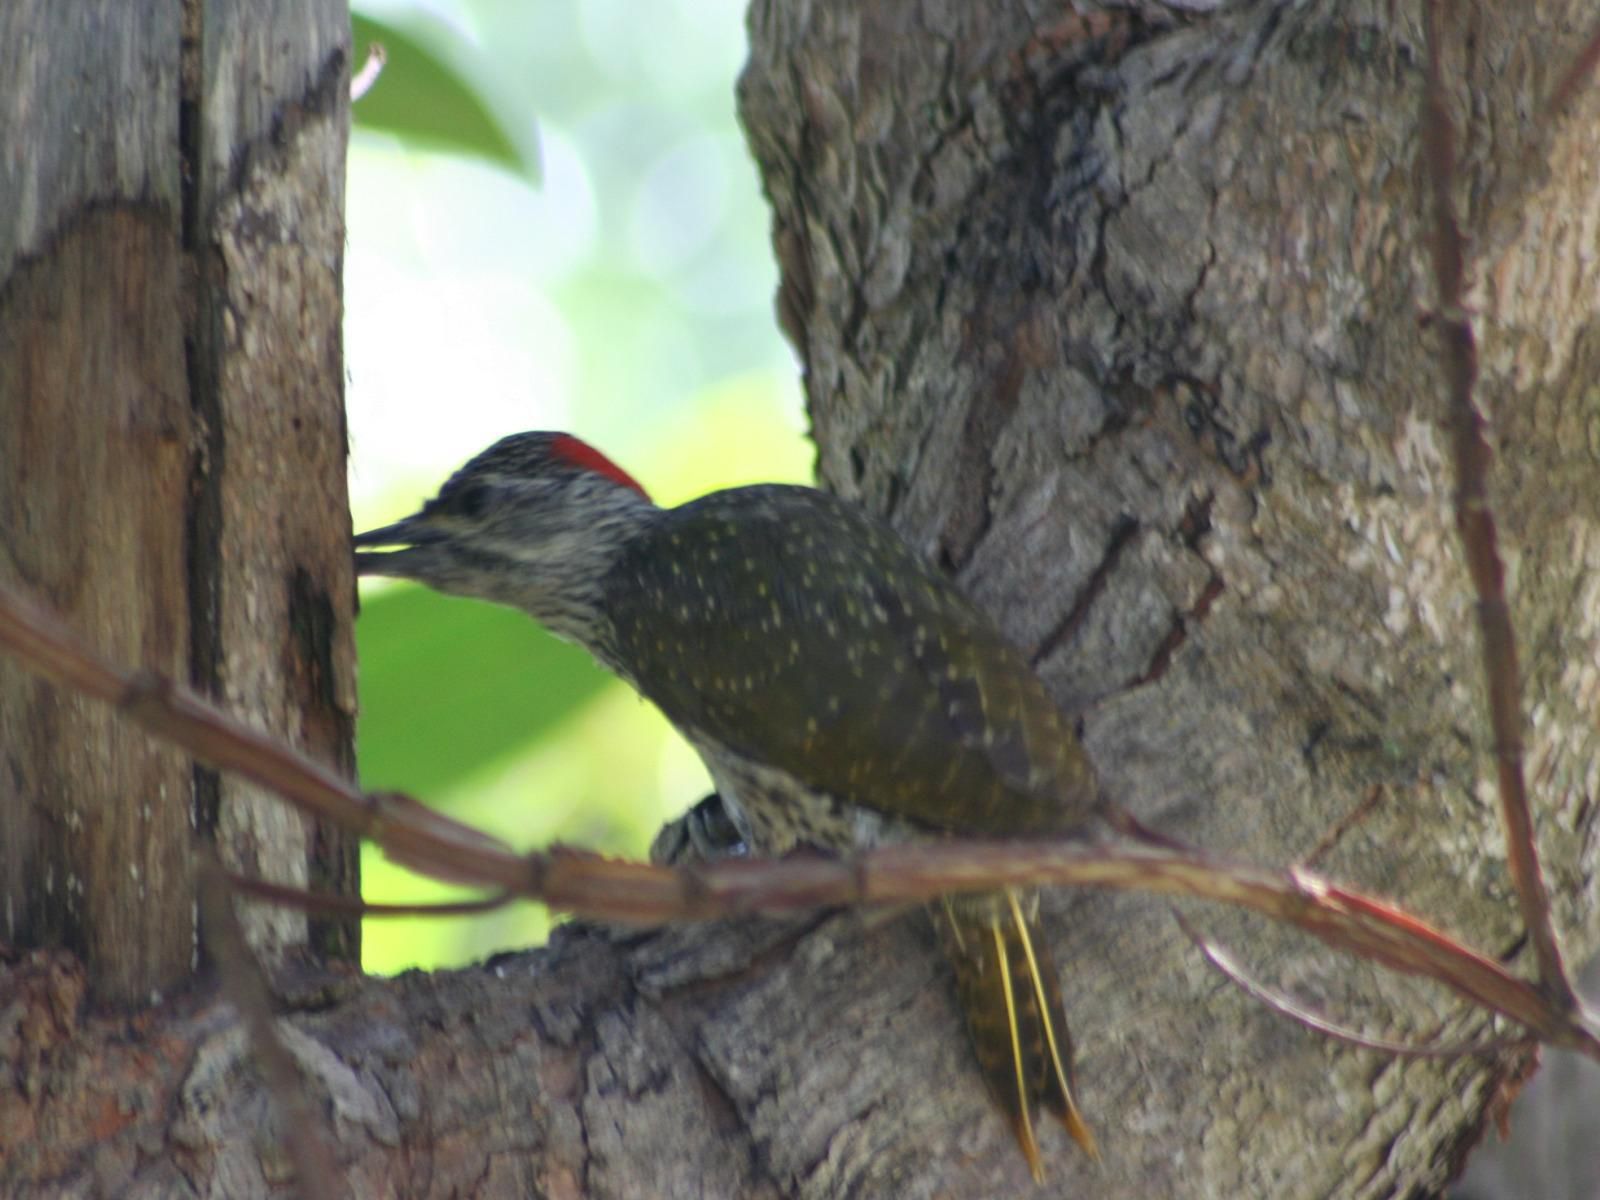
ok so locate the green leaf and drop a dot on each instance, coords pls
(448, 685)
(423, 97)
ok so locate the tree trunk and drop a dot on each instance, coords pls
(1130, 333)
(171, 454)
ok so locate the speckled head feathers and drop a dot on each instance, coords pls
(539, 452)
(530, 456)
(533, 521)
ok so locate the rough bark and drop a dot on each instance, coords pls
(94, 463)
(1140, 350)
(1134, 340)
(171, 451)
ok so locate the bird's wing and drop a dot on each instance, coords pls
(802, 634)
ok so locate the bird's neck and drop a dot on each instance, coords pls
(562, 583)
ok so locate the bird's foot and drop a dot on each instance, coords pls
(705, 833)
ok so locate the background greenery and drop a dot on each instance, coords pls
(553, 223)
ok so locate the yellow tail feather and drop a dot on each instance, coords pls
(1011, 998)
(1070, 1116)
(1024, 1109)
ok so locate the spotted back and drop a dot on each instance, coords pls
(790, 627)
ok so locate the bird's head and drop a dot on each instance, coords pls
(534, 522)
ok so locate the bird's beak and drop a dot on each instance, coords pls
(397, 550)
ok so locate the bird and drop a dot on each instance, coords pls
(841, 692)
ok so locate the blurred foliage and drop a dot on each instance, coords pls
(553, 223)
(449, 684)
(434, 108)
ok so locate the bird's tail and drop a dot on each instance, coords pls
(1011, 996)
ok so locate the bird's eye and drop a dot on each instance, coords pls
(473, 500)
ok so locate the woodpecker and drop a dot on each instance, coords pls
(840, 691)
